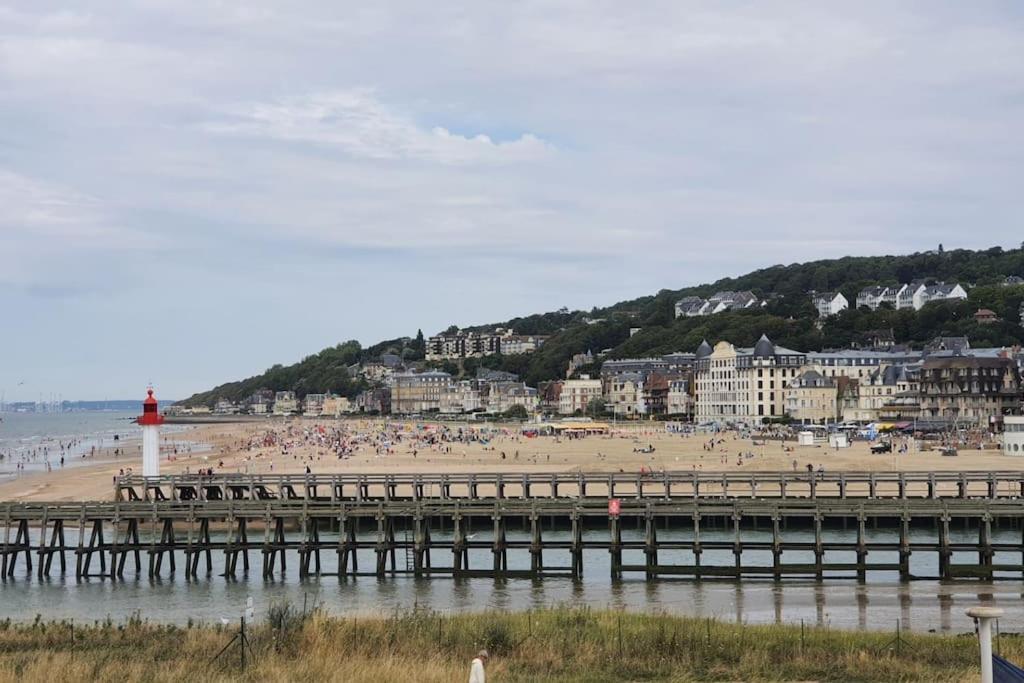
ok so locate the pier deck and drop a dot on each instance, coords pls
(650, 537)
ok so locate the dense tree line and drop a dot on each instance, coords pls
(327, 371)
(788, 318)
(788, 285)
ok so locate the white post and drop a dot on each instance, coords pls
(985, 615)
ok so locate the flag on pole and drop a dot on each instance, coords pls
(1005, 672)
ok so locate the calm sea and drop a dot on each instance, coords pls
(924, 605)
(33, 439)
(26, 430)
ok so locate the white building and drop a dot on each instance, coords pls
(225, 407)
(625, 394)
(285, 403)
(744, 384)
(939, 292)
(830, 303)
(313, 405)
(414, 393)
(691, 306)
(855, 363)
(873, 297)
(717, 303)
(577, 394)
(913, 295)
(503, 396)
(909, 295)
(1013, 435)
(333, 406)
(515, 344)
(460, 397)
(679, 401)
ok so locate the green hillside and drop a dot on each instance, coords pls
(788, 318)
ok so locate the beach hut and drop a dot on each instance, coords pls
(838, 440)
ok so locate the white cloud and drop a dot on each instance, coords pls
(48, 232)
(356, 122)
(31, 206)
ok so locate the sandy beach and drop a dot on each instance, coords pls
(290, 446)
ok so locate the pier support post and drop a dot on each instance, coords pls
(536, 544)
(819, 552)
(115, 548)
(499, 549)
(576, 545)
(385, 544)
(737, 542)
(347, 548)
(460, 553)
(696, 544)
(41, 550)
(650, 545)
(945, 553)
(862, 548)
(985, 553)
(310, 552)
(96, 543)
(266, 551)
(904, 546)
(776, 548)
(419, 544)
(56, 545)
(615, 546)
(7, 543)
(79, 556)
(237, 544)
(21, 545)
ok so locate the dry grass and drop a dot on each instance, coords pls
(551, 645)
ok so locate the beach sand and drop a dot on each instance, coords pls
(228, 444)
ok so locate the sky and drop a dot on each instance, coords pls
(194, 190)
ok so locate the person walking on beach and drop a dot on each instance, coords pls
(476, 669)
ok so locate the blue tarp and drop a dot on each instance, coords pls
(1005, 672)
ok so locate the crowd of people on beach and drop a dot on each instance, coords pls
(43, 455)
(289, 446)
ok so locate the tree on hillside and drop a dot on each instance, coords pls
(418, 347)
(517, 412)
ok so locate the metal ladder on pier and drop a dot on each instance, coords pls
(410, 554)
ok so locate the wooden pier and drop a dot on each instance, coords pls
(573, 485)
(697, 538)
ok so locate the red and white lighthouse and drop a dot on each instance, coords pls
(150, 420)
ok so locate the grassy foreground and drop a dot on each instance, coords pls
(551, 645)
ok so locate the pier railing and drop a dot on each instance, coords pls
(573, 485)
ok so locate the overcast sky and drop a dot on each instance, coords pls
(193, 190)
